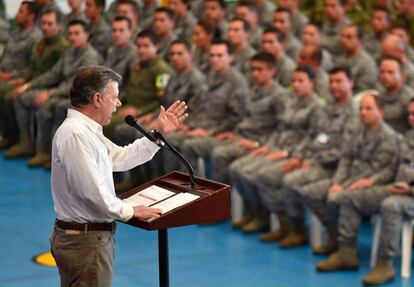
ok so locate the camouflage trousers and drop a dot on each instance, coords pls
(354, 206)
(193, 148)
(222, 157)
(394, 210)
(303, 184)
(258, 182)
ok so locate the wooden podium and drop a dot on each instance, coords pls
(212, 205)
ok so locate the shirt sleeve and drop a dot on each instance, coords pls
(88, 183)
(127, 157)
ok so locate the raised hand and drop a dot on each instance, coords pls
(169, 120)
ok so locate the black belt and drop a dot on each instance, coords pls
(85, 226)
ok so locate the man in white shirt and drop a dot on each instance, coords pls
(83, 160)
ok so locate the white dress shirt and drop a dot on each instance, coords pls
(83, 160)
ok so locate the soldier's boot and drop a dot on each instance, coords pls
(330, 245)
(296, 237)
(280, 233)
(40, 159)
(23, 148)
(239, 223)
(259, 223)
(345, 258)
(382, 272)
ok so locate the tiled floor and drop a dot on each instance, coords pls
(214, 255)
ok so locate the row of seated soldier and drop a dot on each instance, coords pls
(296, 104)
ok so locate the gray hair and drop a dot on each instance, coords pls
(90, 80)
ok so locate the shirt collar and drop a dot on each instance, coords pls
(94, 126)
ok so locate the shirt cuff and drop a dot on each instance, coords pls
(127, 211)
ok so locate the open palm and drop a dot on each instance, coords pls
(169, 120)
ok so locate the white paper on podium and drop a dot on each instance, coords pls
(148, 196)
(175, 201)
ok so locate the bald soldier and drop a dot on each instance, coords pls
(370, 160)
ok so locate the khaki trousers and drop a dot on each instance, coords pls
(84, 259)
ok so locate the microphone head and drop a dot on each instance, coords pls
(130, 120)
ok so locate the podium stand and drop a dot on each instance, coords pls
(212, 205)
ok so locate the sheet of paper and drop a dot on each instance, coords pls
(176, 201)
(148, 196)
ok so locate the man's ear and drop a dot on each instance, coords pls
(96, 100)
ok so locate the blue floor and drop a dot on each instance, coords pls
(214, 255)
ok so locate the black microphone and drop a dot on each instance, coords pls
(159, 139)
(131, 121)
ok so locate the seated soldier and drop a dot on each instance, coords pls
(282, 22)
(203, 34)
(47, 96)
(122, 52)
(257, 176)
(362, 65)
(48, 51)
(320, 159)
(163, 27)
(395, 93)
(284, 64)
(238, 36)
(184, 18)
(370, 160)
(394, 200)
(100, 35)
(224, 105)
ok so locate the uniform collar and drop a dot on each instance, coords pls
(91, 124)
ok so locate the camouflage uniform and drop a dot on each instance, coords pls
(257, 179)
(364, 70)
(331, 34)
(284, 70)
(119, 59)
(227, 95)
(101, 37)
(372, 155)
(184, 26)
(241, 60)
(56, 82)
(367, 202)
(264, 108)
(19, 50)
(395, 108)
(46, 54)
(335, 134)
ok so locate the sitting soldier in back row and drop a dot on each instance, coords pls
(265, 106)
(100, 34)
(335, 134)
(186, 84)
(19, 48)
(284, 64)
(238, 36)
(362, 65)
(394, 93)
(47, 96)
(370, 160)
(145, 89)
(396, 208)
(121, 54)
(47, 52)
(224, 107)
(257, 176)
